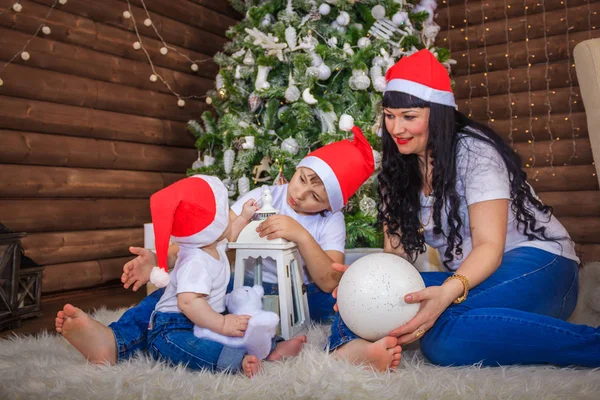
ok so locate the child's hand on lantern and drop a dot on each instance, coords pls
(281, 226)
(248, 209)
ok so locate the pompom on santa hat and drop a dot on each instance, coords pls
(193, 211)
(342, 166)
(423, 76)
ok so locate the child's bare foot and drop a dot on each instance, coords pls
(93, 340)
(251, 365)
(289, 348)
(382, 355)
(137, 271)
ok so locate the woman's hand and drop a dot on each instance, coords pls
(341, 268)
(434, 301)
(281, 226)
(248, 209)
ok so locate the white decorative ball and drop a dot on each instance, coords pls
(346, 122)
(316, 60)
(363, 42)
(208, 100)
(324, 72)
(290, 145)
(126, 14)
(194, 67)
(324, 9)
(378, 12)
(17, 7)
(137, 45)
(153, 78)
(181, 103)
(46, 30)
(378, 61)
(148, 22)
(371, 295)
(312, 72)
(343, 19)
(399, 18)
(63, 2)
(164, 51)
(25, 56)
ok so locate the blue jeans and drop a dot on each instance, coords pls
(171, 338)
(516, 316)
(131, 330)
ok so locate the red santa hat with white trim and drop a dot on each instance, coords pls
(342, 166)
(423, 76)
(193, 212)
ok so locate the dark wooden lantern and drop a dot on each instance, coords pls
(20, 281)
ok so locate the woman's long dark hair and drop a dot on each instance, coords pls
(401, 180)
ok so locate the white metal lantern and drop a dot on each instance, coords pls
(293, 301)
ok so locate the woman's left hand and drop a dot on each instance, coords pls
(434, 301)
(281, 226)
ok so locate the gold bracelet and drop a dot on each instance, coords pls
(465, 283)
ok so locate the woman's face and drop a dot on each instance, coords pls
(305, 194)
(409, 128)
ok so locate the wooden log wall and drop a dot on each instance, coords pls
(515, 71)
(86, 137)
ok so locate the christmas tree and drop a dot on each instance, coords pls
(298, 75)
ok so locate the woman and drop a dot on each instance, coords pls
(512, 269)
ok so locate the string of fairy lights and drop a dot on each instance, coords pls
(485, 63)
(532, 137)
(155, 76)
(17, 7)
(508, 79)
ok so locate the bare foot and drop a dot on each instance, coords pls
(93, 340)
(289, 348)
(382, 355)
(251, 365)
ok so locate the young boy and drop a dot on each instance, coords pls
(310, 215)
(194, 212)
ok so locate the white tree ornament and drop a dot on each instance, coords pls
(291, 37)
(228, 158)
(261, 78)
(363, 42)
(249, 58)
(324, 72)
(359, 80)
(346, 122)
(308, 97)
(368, 206)
(378, 12)
(290, 145)
(324, 9)
(327, 119)
(377, 159)
(243, 185)
(46, 30)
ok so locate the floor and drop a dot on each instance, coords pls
(111, 297)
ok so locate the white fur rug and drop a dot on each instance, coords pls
(47, 367)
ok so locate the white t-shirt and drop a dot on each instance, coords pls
(197, 272)
(481, 175)
(329, 231)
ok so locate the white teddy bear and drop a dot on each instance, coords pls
(247, 300)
